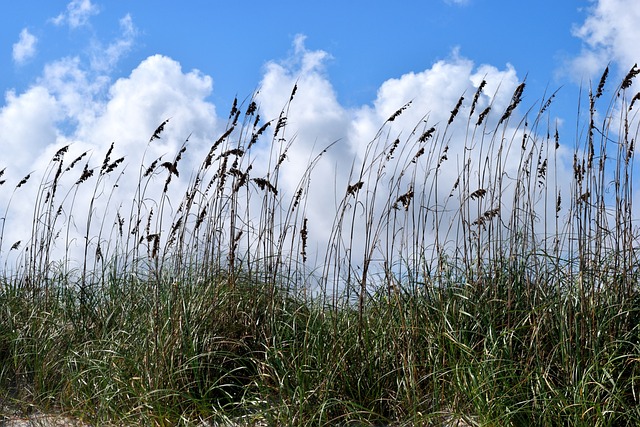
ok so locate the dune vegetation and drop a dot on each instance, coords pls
(508, 296)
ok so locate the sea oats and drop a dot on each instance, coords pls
(293, 92)
(392, 149)
(151, 167)
(426, 135)
(107, 159)
(23, 181)
(234, 108)
(515, 100)
(419, 153)
(282, 121)
(113, 166)
(304, 234)
(232, 152)
(256, 135)
(405, 199)
(296, 199)
(352, 189)
(399, 111)
(454, 112)
(603, 79)
(483, 115)
(628, 80)
(60, 154)
(158, 131)
(476, 96)
(633, 100)
(264, 183)
(75, 161)
(251, 109)
(86, 174)
(478, 194)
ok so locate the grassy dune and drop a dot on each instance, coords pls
(504, 294)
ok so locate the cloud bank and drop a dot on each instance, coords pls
(76, 103)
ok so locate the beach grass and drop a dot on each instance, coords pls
(503, 293)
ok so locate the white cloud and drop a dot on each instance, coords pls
(78, 104)
(77, 14)
(25, 48)
(316, 119)
(458, 2)
(610, 34)
(105, 58)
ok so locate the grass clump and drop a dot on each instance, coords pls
(505, 293)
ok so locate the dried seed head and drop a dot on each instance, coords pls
(352, 189)
(254, 137)
(584, 197)
(455, 186)
(234, 108)
(264, 183)
(417, 155)
(399, 111)
(86, 174)
(515, 100)
(60, 153)
(426, 135)
(628, 80)
(476, 96)
(478, 194)
(304, 233)
(282, 121)
(405, 199)
(107, 158)
(201, 217)
(24, 181)
(633, 100)
(152, 167)
(75, 161)
(393, 149)
(454, 112)
(158, 131)
(251, 109)
(296, 200)
(113, 165)
(232, 152)
(483, 115)
(603, 79)
(171, 167)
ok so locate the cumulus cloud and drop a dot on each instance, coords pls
(610, 33)
(77, 14)
(68, 106)
(25, 48)
(315, 120)
(77, 104)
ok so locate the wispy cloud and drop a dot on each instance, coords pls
(105, 58)
(77, 14)
(25, 48)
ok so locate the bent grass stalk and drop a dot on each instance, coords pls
(462, 280)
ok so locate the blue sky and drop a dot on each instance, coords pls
(85, 73)
(368, 42)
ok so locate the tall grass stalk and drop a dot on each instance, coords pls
(477, 270)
